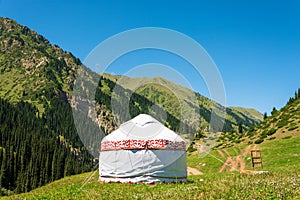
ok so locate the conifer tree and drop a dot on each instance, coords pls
(240, 127)
(265, 115)
(274, 111)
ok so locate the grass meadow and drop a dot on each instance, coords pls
(281, 160)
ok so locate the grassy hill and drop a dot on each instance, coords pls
(180, 92)
(277, 155)
(281, 182)
(283, 123)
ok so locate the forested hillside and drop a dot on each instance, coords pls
(32, 152)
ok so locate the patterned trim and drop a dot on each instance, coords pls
(142, 145)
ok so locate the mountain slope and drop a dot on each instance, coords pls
(31, 68)
(39, 142)
(281, 124)
(249, 112)
(172, 97)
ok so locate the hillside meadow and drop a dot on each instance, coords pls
(281, 159)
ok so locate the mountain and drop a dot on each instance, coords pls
(39, 142)
(51, 119)
(172, 97)
(283, 123)
(33, 70)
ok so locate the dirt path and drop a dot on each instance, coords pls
(247, 150)
(227, 164)
(240, 163)
(220, 153)
(227, 153)
(193, 171)
(236, 163)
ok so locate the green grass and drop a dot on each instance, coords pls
(9, 88)
(209, 163)
(281, 158)
(233, 151)
(217, 186)
(281, 155)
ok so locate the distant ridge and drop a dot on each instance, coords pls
(235, 115)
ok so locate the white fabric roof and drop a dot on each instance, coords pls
(142, 127)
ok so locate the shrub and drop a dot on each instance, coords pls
(264, 134)
(271, 138)
(260, 140)
(287, 137)
(251, 129)
(293, 126)
(250, 134)
(282, 123)
(191, 149)
(271, 131)
(218, 145)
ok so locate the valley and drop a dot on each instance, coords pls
(43, 110)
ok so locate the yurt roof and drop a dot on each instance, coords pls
(144, 127)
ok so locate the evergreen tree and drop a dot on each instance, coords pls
(265, 115)
(274, 111)
(240, 127)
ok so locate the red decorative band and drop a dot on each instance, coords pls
(142, 145)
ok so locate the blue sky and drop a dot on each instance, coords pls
(255, 44)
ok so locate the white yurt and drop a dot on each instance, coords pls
(142, 150)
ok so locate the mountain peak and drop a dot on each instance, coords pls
(32, 69)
